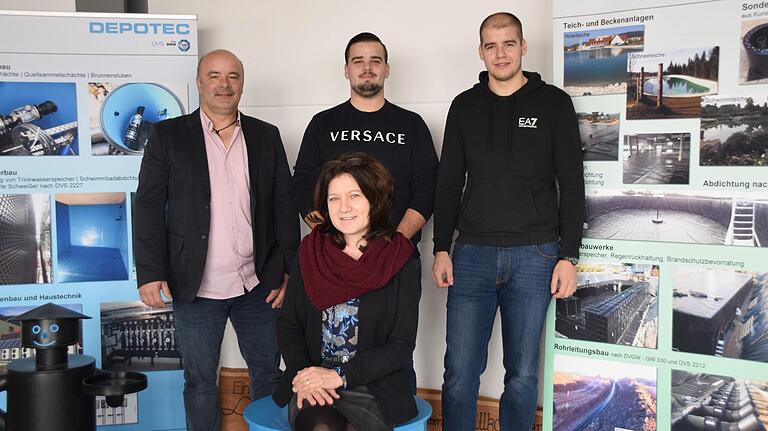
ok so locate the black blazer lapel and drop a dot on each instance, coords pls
(196, 146)
(255, 156)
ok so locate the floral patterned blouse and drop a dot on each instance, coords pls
(339, 327)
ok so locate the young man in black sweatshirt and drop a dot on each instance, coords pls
(368, 123)
(516, 141)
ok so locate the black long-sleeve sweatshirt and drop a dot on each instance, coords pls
(396, 137)
(515, 153)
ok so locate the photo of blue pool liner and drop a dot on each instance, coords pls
(92, 237)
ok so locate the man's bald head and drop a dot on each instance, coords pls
(217, 53)
(501, 20)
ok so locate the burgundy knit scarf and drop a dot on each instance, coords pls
(332, 277)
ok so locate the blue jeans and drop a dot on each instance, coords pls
(515, 279)
(199, 332)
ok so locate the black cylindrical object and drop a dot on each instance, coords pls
(756, 44)
(131, 138)
(52, 359)
(50, 400)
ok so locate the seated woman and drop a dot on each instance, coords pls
(348, 323)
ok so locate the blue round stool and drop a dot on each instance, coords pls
(264, 415)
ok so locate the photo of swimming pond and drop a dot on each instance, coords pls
(599, 135)
(674, 86)
(734, 131)
(671, 84)
(595, 61)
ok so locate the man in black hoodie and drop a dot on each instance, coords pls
(515, 140)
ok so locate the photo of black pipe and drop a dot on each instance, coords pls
(712, 402)
(756, 45)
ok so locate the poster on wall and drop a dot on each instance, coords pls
(93, 90)
(667, 328)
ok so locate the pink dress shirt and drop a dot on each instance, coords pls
(229, 269)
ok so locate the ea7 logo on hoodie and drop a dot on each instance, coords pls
(527, 122)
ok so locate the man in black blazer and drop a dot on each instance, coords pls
(214, 228)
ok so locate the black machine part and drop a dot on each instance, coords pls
(114, 385)
(756, 45)
(25, 114)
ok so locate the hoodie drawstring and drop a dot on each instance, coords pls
(511, 126)
(489, 142)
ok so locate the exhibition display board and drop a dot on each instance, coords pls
(668, 328)
(78, 95)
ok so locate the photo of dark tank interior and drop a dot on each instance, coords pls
(657, 158)
(135, 337)
(683, 217)
(10, 334)
(614, 303)
(712, 402)
(720, 313)
(25, 239)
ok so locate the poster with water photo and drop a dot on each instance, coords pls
(734, 131)
(595, 61)
(670, 84)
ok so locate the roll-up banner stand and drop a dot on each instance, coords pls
(78, 95)
(668, 328)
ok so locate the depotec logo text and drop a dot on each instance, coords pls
(113, 27)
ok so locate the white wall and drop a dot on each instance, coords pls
(293, 56)
(39, 5)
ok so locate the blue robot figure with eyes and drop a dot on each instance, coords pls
(56, 390)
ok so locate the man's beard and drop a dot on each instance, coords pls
(368, 89)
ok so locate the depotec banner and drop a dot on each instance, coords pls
(77, 100)
(668, 328)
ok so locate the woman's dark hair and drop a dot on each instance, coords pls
(377, 186)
